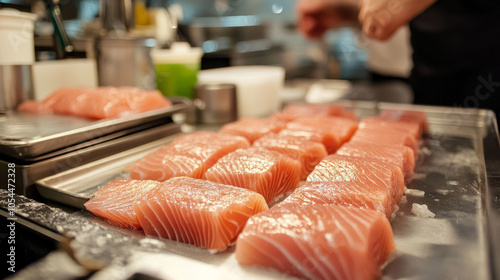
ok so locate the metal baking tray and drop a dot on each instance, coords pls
(29, 172)
(456, 176)
(26, 136)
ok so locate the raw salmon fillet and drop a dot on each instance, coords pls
(253, 128)
(406, 116)
(317, 242)
(99, 103)
(266, 172)
(385, 136)
(368, 174)
(412, 129)
(307, 153)
(298, 111)
(115, 201)
(197, 212)
(331, 132)
(189, 155)
(343, 193)
(403, 157)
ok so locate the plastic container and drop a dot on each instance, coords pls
(258, 87)
(176, 69)
(16, 37)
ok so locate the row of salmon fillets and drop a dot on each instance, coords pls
(212, 189)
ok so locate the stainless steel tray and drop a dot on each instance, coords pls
(29, 172)
(458, 171)
(26, 136)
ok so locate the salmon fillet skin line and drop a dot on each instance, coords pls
(114, 202)
(188, 155)
(344, 193)
(403, 157)
(98, 103)
(253, 128)
(266, 172)
(317, 242)
(364, 174)
(307, 153)
(198, 212)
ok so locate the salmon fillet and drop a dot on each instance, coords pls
(331, 132)
(417, 117)
(253, 128)
(99, 103)
(343, 193)
(298, 111)
(197, 212)
(412, 129)
(307, 153)
(189, 155)
(317, 242)
(368, 174)
(114, 202)
(385, 136)
(266, 172)
(403, 157)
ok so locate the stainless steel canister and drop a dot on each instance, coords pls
(125, 61)
(15, 85)
(215, 103)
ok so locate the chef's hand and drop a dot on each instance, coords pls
(317, 16)
(381, 18)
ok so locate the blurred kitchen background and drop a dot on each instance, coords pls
(230, 32)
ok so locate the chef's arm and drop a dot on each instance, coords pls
(315, 17)
(381, 18)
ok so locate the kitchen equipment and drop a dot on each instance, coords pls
(125, 61)
(117, 16)
(176, 69)
(215, 103)
(16, 31)
(458, 172)
(15, 85)
(28, 171)
(25, 136)
(258, 87)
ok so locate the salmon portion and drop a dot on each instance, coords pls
(385, 136)
(366, 174)
(317, 242)
(114, 202)
(99, 103)
(343, 193)
(331, 132)
(253, 128)
(412, 129)
(189, 155)
(266, 172)
(298, 111)
(406, 116)
(307, 153)
(401, 156)
(197, 212)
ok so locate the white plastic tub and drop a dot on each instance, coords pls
(16, 37)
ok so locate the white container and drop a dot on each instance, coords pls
(16, 37)
(258, 87)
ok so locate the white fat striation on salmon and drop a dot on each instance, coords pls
(115, 201)
(317, 242)
(197, 212)
(266, 172)
(189, 155)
